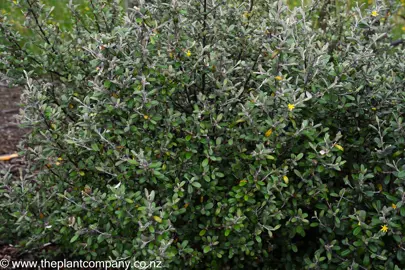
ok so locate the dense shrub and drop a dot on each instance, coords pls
(212, 135)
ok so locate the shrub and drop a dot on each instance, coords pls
(213, 135)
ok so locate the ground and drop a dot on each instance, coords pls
(10, 135)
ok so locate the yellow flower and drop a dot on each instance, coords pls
(278, 78)
(384, 228)
(268, 133)
(394, 206)
(3, 11)
(291, 107)
(379, 186)
(57, 163)
(186, 205)
(188, 53)
(403, 28)
(60, 159)
(374, 108)
(339, 147)
(374, 13)
(87, 8)
(146, 117)
(285, 179)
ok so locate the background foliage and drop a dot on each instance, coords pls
(211, 134)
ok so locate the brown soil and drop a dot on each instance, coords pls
(10, 133)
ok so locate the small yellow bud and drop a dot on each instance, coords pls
(374, 13)
(188, 53)
(268, 133)
(146, 117)
(278, 78)
(285, 179)
(394, 206)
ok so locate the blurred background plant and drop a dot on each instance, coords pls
(63, 19)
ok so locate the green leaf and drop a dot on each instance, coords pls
(208, 206)
(133, 161)
(95, 147)
(345, 252)
(202, 232)
(205, 162)
(196, 184)
(227, 232)
(129, 200)
(401, 174)
(74, 238)
(207, 249)
(107, 84)
(402, 211)
(357, 230)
